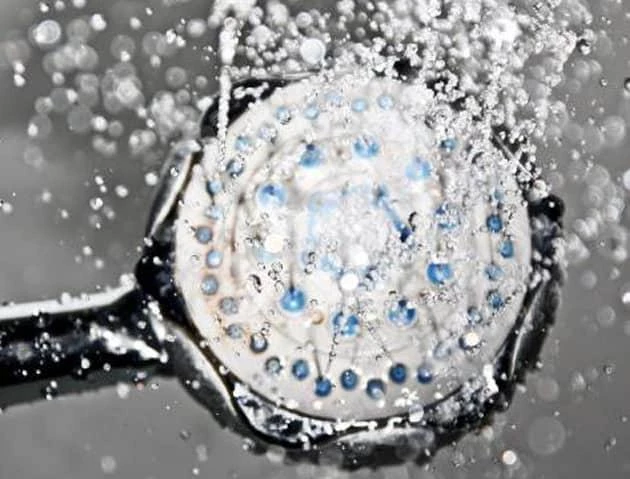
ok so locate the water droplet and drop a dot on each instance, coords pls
(47, 33)
(108, 465)
(312, 51)
(509, 457)
(546, 436)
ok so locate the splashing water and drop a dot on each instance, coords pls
(476, 47)
(499, 63)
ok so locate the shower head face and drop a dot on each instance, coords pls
(354, 250)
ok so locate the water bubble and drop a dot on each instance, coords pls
(141, 141)
(123, 47)
(96, 203)
(614, 129)
(135, 23)
(509, 457)
(547, 389)
(606, 316)
(128, 91)
(34, 156)
(121, 191)
(610, 443)
(312, 51)
(546, 436)
(6, 207)
(97, 22)
(19, 81)
(78, 30)
(202, 453)
(61, 99)
(578, 382)
(588, 279)
(625, 294)
(115, 129)
(39, 127)
(151, 178)
(123, 390)
(196, 27)
(79, 119)
(46, 196)
(609, 369)
(176, 77)
(47, 33)
(108, 464)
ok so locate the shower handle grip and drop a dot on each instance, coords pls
(54, 347)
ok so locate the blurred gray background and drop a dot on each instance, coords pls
(570, 421)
